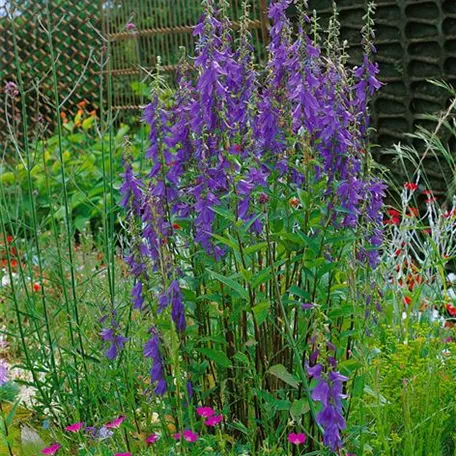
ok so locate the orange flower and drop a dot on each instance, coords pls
(63, 115)
(93, 113)
(82, 103)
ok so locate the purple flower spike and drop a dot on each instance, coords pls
(152, 350)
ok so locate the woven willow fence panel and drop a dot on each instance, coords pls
(161, 27)
(74, 35)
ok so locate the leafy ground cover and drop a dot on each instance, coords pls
(236, 284)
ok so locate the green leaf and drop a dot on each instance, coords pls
(80, 223)
(255, 248)
(7, 178)
(218, 357)
(241, 358)
(10, 417)
(261, 311)
(297, 291)
(298, 408)
(227, 242)
(312, 243)
(280, 371)
(228, 215)
(231, 283)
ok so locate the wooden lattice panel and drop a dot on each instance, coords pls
(74, 24)
(161, 27)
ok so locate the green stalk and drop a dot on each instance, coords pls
(33, 208)
(289, 331)
(68, 223)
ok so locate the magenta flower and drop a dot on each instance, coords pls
(52, 449)
(205, 411)
(214, 420)
(297, 439)
(74, 427)
(152, 439)
(188, 435)
(115, 423)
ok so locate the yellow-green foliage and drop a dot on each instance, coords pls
(411, 408)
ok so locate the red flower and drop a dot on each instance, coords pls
(410, 186)
(176, 226)
(451, 310)
(36, 287)
(392, 221)
(428, 192)
(9, 239)
(407, 300)
(393, 212)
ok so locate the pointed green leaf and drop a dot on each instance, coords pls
(280, 371)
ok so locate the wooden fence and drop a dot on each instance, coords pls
(142, 30)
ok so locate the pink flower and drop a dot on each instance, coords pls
(52, 449)
(187, 435)
(74, 427)
(116, 423)
(297, 439)
(214, 420)
(205, 411)
(152, 438)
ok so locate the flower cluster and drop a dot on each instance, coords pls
(329, 392)
(231, 138)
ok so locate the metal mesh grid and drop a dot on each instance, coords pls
(74, 24)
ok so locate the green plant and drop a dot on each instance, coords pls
(407, 403)
(82, 153)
